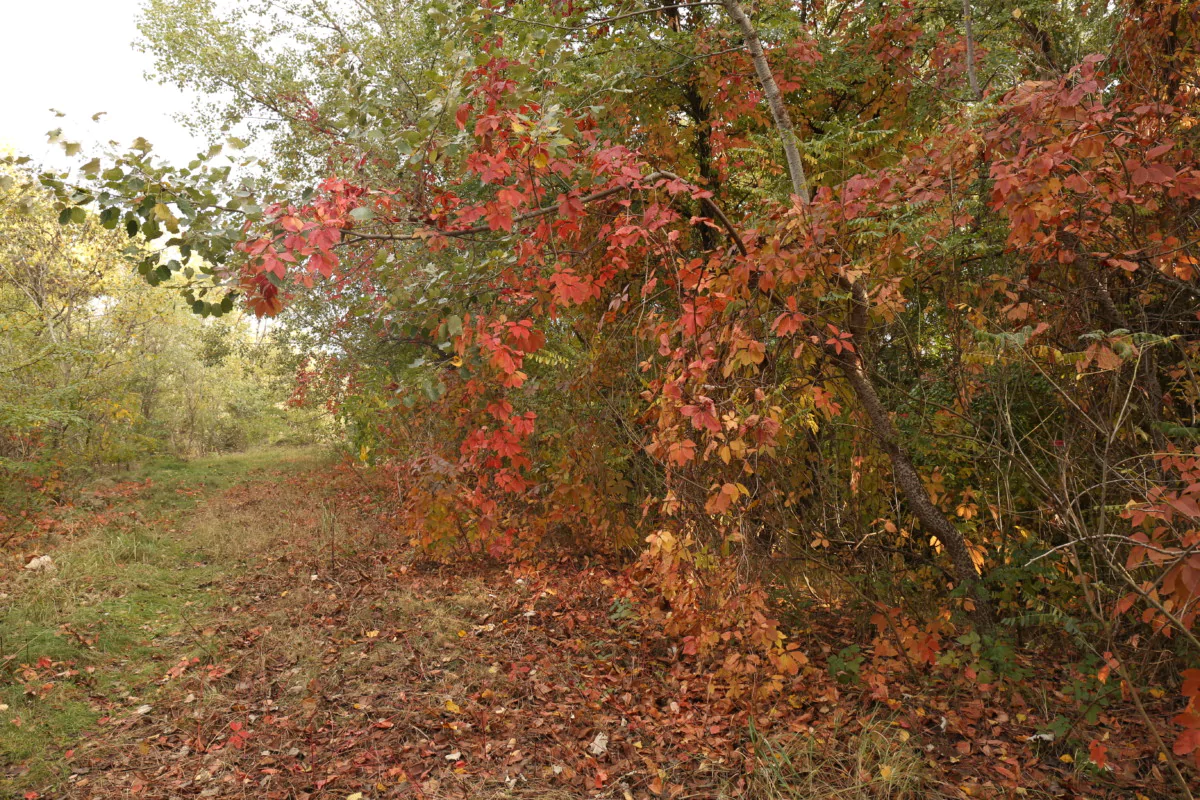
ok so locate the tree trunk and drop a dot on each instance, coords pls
(908, 480)
(972, 77)
(783, 120)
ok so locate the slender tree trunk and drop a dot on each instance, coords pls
(972, 77)
(702, 148)
(783, 120)
(908, 480)
(915, 494)
(853, 367)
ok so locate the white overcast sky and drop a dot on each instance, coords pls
(76, 56)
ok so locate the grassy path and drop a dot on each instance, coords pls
(257, 626)
(134, 590)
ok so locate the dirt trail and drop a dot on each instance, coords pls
(259, 628)
(277, 639)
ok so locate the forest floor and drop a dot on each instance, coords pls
(249, 626)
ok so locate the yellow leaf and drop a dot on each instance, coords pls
(163, 213)
(453, 707)
(372, 634)
(887, 772)
(355, 796)
(1067, 758)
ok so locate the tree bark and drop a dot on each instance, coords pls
(783, 120)
(972, 77)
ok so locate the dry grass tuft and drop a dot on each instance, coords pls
(867, 760)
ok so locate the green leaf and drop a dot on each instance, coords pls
(362, 214)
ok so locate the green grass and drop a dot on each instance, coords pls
(117, 612)
(210, 474)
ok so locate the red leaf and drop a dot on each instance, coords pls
(1191, 683)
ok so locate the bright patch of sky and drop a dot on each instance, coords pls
(76, 56)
